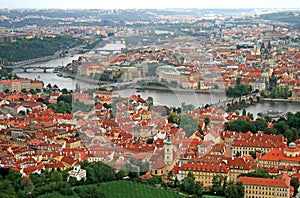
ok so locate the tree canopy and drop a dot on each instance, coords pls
(191, 187)
(35, 48)
(188, 124)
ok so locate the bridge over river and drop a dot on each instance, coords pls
(234, 101)
(29, 64)
(246, 99)
(25, 68)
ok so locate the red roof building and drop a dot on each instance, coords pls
(266, 187)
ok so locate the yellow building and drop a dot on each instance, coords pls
(203, 172)
(237, 166)
(266, 187)
(37, 84)
(92, 68)
(296, 94)
(16, 85)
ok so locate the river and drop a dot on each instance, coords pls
(51, 77)
(168, 98)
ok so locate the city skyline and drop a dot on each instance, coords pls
(136, 4)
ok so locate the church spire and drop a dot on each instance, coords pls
(168, 157)
(168, 141)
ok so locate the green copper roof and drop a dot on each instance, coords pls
(264, 74)
(168, 141)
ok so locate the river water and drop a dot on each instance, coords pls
(168, 98)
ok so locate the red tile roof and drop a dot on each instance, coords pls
(221, 168)
(263, 182)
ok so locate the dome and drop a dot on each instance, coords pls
(285, 74)
(264, 74)
(292, 145)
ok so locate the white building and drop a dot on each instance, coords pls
(77, 172)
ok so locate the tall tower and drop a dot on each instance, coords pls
(168, 157)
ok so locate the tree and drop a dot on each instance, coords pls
(64, 91)
(238, 90)
(188, 124)
(260, 124)
(56, 177)
(281, 127)
(198, 189)
(270, 131)
(250, 115)
(206, 120)
(289, 135)
(32, 91)
(187, 107)
(177, 110)
(219, 185)
(253, 153)
(244, 112)
(107, 106)
(7, 190)
(191, 187)
(173, 118)
(149, 101)
(234, 190)
(66, 98)
(262, 173)
(241, 125)
(26, 185)
(295, 184)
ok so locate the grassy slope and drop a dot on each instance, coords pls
(126, 189)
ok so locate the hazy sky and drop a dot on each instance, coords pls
(125, 4)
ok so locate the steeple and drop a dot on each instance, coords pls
(168, 157)
(168, 141)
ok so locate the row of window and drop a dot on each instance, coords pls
(265, 193)
(265, 188)
(265, 196)
(205, 170)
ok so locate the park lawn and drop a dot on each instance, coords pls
(128, 189)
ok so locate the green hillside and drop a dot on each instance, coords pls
(122, 189)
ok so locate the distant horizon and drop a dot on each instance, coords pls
(154, 4)
(146, 8)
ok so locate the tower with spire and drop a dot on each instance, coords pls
(168, 155)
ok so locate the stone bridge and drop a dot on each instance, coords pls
(246, 99)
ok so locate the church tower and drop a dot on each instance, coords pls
(168, 157)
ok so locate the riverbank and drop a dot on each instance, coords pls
(279, 100)
(172, 89)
